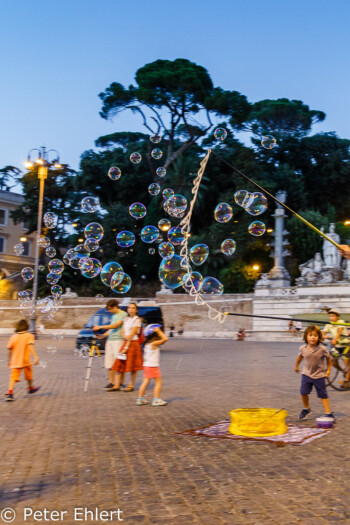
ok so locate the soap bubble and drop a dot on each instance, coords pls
(228, 247)
(137, 210)
(167, 193)
(175, 235)
(220, 134)
(94, 230)
(153, 189)
(99, 296)
(155, 138)
(81, 248)
(43, 364)
(149, 234)
(84, 351)
(268, 142)
(25, 295)
(94, 271)
(257, 204)
(257, 228)
(212, 286)
(159, 238)
(199, 254)
(171, 272)
(240, 197)
(156, 153)
(56, 266)
(161, 172)
(108, 271)
(56, 291)
(51, 349)
(135, 157)
(86, 264)
(50, 220)
(151, 251)
(27, 308)
(75, 260)
(68, 255)
(124, 284)
(166, 250)
(44, 242)
(176, 206)
(223, 212)
(192, 279)
(27, 273)
(53, 278)
(91, 244)
(114, 173)
(50, 251)
(41, 268)
(26, 209)
(18, 249)
(89, 204)
(164, 225)
(125, 239)
(116, 279)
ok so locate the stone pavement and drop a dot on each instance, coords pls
(63, 449)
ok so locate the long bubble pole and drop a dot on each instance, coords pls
(281, 203)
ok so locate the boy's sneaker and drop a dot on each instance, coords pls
(330, 415)
(110, 385)
(158, 403)
(9, 397)
(304, 413)
(141, 401)
(33, 389)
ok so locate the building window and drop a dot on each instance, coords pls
(25, 224)
(3, 217)
(26, 246)
(2, 244)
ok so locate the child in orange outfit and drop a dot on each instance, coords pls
(21, 347)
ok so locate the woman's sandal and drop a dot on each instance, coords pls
(128, 389)
(113, 389)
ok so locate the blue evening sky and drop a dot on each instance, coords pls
(57, 55)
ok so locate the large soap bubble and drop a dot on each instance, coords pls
(220, 134)
(116, 279)
(268, 142)
(108, 271)
(171, 272)
(135, 157)
(166, 250)
(257, 228)
(161, 172)
(257, 204)
(137, 210)
(27, 273)
(156, 153)
(123, 285)
(56, 266)
(114, 173)
(212, 286)
(199, 254)
(223, 212)
(228, 247)
(18, 249)
(94, 230)
(68, 255)
(155, 138)
(94, 271)
(76, 258)
(25, 295)
(154, 188)
(175, 235)
(192, 280)
(125, 239)
(176, 206)
(241, 197)
(149, 234)
(164, 225)
(53, 278)
(44, 242)
(50, 220)
(86, 264)
(89, 204)
(91, 244)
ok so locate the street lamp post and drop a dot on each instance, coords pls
(44, 165)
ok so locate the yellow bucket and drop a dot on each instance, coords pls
(258, 422)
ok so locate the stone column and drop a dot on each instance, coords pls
(278, 276)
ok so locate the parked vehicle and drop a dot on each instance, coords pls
(149, 315)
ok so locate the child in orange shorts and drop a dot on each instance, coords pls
(21, 347)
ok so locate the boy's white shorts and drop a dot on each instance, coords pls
(112, 348)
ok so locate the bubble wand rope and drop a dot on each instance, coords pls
(279, 202)
(185, 225)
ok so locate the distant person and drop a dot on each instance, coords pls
(129, 358)
(180, 330)
(298, 326)
(21, 348)
(114, 337)
(339, 339)
(171, 330)
(241, 335)
(314, 372)
(291, 328)
(151, 370)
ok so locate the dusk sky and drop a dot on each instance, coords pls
(58, 55)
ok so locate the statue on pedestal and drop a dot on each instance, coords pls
(331, 254)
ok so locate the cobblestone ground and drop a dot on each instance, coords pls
(63, 449)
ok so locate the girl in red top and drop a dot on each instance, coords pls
(21, 347)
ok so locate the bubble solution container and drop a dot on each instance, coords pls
(258, 422)
(325, 422)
